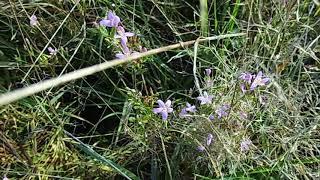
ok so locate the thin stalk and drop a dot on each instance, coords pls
(15, 95)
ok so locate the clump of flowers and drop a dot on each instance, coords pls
(188, 109)
(125, 51)
(164, 109)
(245, 145)
(252, 81)
(249, 83)
(222, 111)
(123, 35)
(209, 140)
(114, 21)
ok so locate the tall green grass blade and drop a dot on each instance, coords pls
(89, 151)
(204, 18)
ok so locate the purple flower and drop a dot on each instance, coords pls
(34, 20)
(52, 51)
(243, 88)
(188, 108)
(222, 111)
(183, 112)
(201, 148)
(263, 99)
(246, 77)
(209, 139)
(164, 109)
(112, 20)
(142, 49)
(211, 117)
(245, 145)
(123, 35)
(259, 81)
(125, 51)
(126, 54)
(205, 99)
(208, 71)
(243, 115)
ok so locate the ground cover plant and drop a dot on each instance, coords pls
(241, 107)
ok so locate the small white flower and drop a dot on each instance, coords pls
(34, 20)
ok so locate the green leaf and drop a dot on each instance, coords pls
(89, 151)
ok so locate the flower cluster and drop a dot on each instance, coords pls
(252, 81)
(34, 22)
(189, 108)
(114, 21)
(245, 145)
(208, 142)
(223, 111)
(165, 108)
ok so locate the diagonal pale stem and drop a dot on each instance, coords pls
(15, 95)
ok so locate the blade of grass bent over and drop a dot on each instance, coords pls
(89, 151)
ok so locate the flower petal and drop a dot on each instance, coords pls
(209, 139)
(208, 71)
(161, 103)
(259, 75)
(157, 110)
(105, 23)
(265, 80)
(116, 21)
(33, 17)
(201, 98)
(164, 115)
(129, 34)
(50, 49)
(120, 30)
(120, 55)
(135, 53)
(253, 86)
(123, 41)
(243, 88)
(110, 15)
(183, 112)
(201, 148)
(33, 20)
(168, 103)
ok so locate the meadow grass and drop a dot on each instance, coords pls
(103, 126)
